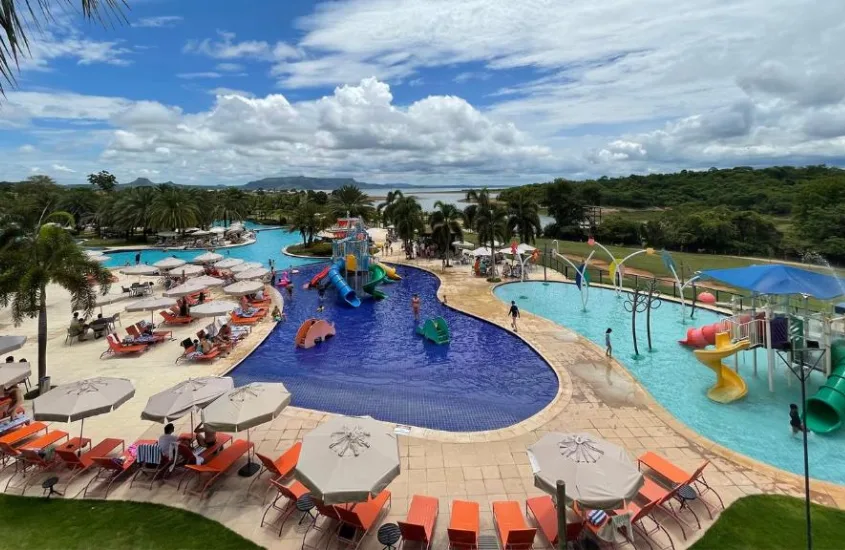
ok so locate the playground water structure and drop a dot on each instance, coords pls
(756, 425)
(486, 378)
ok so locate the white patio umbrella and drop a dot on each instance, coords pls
(522, 248)
(151, 304)
(11, 343)
(82, 399)
(255, 273)
(242, 288)
(244, 267)
(217, 308)
(207, 281)
(244, 408)
(217, 230)
(482, 251)
(140, 269)
(191, 287)
(207, 258)
(463, 244)
(12, 374)
(348, 459)
(187, 271)
(181, 399)
(169, 263)
(228, 263)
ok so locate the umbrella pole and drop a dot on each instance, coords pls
(81, 430)
(250, 468)
(561, 515)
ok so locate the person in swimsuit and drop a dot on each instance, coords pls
(514, 315)
(415, 306)
(795, 420)
(321, 296)
(608, 349)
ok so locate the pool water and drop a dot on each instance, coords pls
(756, 426)
(376, 364)
(269, 244)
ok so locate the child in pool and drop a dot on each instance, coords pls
(795, 420)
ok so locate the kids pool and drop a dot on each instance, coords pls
(377, 365)
(756, 426)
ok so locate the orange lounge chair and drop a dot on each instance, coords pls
(171, 319)
(280, 468)
(637, 514)
(545, 516)
(251, 320)
(187, 356)
(289, 495)
(110, 469)
(419, 525)
(361, 518)
(326, 522)
(463, 525)
(652, 491)
(116, 347)
(154, 338)
(79, 464)
(217, 466)
(30, 460)
(514, 533)
(16, 438)
(678, 476)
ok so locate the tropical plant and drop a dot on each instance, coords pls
(445, 226)
(524, 217)
(491, 220)
(173, 208)
(34, 257)
(134, 208)
(232, 206)
(307, 219)
(82, 203)
(407, 217)
(385, 209)
(350, 200)
(469, 214)
(103, 180)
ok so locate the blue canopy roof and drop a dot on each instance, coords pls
(778, 279)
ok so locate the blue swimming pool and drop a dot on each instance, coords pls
(485, 379)
(269, 244)
(757, 426)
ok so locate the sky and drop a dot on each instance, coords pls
(432, 92)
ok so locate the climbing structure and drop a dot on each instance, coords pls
(312, 332)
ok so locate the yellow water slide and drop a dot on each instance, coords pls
(729, 385)
(391, 272)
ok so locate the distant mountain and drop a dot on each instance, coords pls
(144, 182)
(324, 184)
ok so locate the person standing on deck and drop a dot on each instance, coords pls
(514, 315)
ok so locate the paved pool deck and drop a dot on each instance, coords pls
(594, 395)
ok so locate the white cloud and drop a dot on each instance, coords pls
(63, 168)
(229, 67)
(231, 91)
(26, 149)
(34, 169)
(158, 22)
(228, 48)
(207, 74)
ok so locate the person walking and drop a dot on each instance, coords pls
(608, 348)
(137, 258)
(514, 315)
(415, 306)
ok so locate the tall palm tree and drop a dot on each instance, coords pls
(232, 205)
(445, 226)
(491, 220)
(31, 259)
(82, 203)
(18, 17)
(133, 208)
(523, 216)
(386, 208)
(307, 219)
(407, 217)
(349, 199)
(173, 208)
(469, 214)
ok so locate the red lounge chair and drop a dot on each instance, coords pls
(289, 496)
(79, 464)
(463, 526)
(210, 356)
(513, 531)
(280, 468)
(16, 438)
(678, 476)
(110, 469)
(326, 522)
(251, 320)
(419, 525)
(361, 518)
(637, 513)
(116, 347)
(29, 459)
(652, 491)
(171, 319)
(154, 338)
(545, 516)
(217, 466)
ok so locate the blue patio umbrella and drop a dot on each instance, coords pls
(779, 279)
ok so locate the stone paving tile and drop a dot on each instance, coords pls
(480, 466)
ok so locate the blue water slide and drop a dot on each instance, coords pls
(342, 287)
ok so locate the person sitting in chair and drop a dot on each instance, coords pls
(77, 327)
(206, 437)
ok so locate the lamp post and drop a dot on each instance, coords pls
(561, 515)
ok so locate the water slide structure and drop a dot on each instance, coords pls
(701, 337)
(343, 288)
(377, 277)
(313, 332)
(435, 330)
(826, 409)
(729, 385)
(317, 278)
(391, 272)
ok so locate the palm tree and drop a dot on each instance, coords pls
(523, 216)
(36, 14)
(469, 214)
(232, 205)
(33, 258)
(491, 220)
(386, 208)
(82, 203)
(307, 219)
(445, 226)
(173, 208)
(133, 208)
(348, 199)
(407, 216)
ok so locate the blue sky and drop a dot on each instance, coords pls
(428, 91)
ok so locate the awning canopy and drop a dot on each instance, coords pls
(778, 279)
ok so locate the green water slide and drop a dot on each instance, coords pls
(826, 409)
(435, 330)
(377, 277)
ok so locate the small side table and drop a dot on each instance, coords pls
(48, 486)
(388, 535)
(305, 504)
(685, 495)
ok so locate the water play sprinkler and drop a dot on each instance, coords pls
(637, 302)
(582, 277)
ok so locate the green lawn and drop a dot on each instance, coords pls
(773, 522)
(83, 524)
